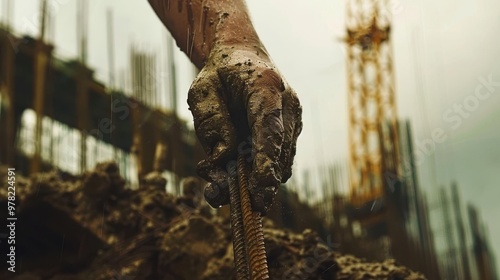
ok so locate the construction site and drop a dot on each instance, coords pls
(107, 185)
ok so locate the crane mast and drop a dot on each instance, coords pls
(373, 128)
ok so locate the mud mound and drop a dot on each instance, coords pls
(92, 227)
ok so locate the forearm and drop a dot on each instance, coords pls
(198, 26)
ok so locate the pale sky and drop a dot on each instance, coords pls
(442, 51)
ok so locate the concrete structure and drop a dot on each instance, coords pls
(66, 93)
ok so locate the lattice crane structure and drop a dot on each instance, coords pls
(373, 127)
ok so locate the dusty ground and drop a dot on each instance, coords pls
(93, 227)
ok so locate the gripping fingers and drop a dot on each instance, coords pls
(292, 121)
(264, 107)
(211, 118)
(217, 190)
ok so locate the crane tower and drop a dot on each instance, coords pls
(373, 131)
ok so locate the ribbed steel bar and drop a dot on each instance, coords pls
(239, 243)
(252, 225)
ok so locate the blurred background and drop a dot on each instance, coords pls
(399, 154)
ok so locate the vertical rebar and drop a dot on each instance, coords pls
(252, 224)
(43, 19)
(111, 48)
(239, 248)
(248, 238)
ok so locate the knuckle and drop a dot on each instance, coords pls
(270, 78)
(193, 92)
(294, 112)
(294, 100)
(209, 118)
(298, 129)
(203, 83)
(266, 169)
(203, 170)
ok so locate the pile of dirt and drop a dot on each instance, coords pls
(93, 227)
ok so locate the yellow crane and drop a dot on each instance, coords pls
(373, 127)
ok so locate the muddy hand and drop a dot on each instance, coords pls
(240, 97)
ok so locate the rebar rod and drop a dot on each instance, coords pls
(252, 224)
(252, 258)
(239, 248)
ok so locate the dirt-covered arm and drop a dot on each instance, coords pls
(238, 100)
(198, 25)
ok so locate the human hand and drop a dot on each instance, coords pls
(241, 104)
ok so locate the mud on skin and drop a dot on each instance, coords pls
(240, 97)
(239, 93)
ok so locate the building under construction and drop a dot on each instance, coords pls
(55, 114)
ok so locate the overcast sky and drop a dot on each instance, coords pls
(443, 51)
